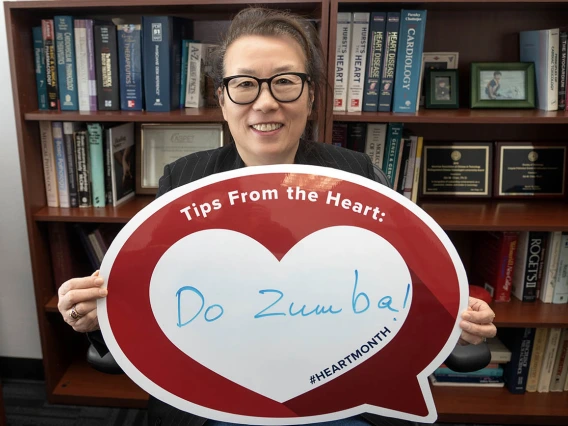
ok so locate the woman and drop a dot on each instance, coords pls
(269, 73)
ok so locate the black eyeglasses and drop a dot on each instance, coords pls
(284, 87)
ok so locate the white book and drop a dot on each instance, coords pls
(48, 156)
(60, 164)
(548, 360)
(561, 285)
(197, 59)
(358, 61)
(375, 142)
(539, 347)
(82, 64)
(342, 52)
(550, 267)
(560, 369)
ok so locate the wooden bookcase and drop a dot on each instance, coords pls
(478, 30)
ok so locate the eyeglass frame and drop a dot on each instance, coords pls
(305, 78)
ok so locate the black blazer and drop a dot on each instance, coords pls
(198, 165)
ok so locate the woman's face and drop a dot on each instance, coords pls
(266, 131)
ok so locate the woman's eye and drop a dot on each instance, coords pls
(245, 84)
(283, 81)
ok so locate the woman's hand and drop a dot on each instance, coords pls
(477, 324)
(78, 302)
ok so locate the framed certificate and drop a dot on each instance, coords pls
(530, 170)
(457, 169)
(161, 144)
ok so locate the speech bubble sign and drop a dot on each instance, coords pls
(286, 294)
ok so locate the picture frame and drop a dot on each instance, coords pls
(435, 61)
(442, 89)
(502, 85)
(163, 143)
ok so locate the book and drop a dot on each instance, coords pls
(436, 382)
(356, 134)
(392, 150)
(563, 60)
(548, 359)
(417, 164)
(130, 67)
(83, 168)
(357, 61)
(500, 354)
(374, 61)
(85, 58)
(60, 164)
(560, 295)
(375, 142)
(106, 61)
(48, 157)
(342, 54)
(121, 139)
(560, 368)
(50, 64)
(539, 346)
(198, 82)
(409, 177)
(520, 342)
(96, 164)
(39, 64)
(529, 263)
(69, 129)
(339, 134)
(65, 51)
(409, 60)
(550, 267)
(389, 62)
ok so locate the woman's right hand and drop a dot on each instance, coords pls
(78, 302)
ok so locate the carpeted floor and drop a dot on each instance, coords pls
(25, 405)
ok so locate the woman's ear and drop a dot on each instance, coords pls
(220, 97)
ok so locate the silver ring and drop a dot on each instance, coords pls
(74, 314)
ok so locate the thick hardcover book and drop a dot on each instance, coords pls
(83, 172)
(541, 47)
(562, 70)
(560, 369)
(520, 342)
(550, 266)
(97, 164)
(494, 257)
(339, 134)
(560, 295)
(39, 63)
(409, 60)
(358, 61)
(529, 263)
(50, 63)
(539, 347)
(389, 61)
(85, 57)
(342, 53)
(60, 164)
(374, 61)
(48, 157)
(356, 135)
(130, 67)
(162, 60)
(65, 50)
(106, 59)
(69, 129)
(121, 139)
(392, 149)
(375, 143)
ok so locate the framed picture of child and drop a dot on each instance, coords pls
(442, 89)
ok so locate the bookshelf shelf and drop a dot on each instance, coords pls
(203, 115)
(518, 314)
(459, 116)
(498, 405)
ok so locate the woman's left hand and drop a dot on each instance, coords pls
(477, 322)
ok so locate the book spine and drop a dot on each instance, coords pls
(535, 257)
(183, 77)
(193, 96)
(50, 64)
(504, 282)
(130, 67)
(358, 62)
(106, 54)
(561, 286)
(409, 60)
(156, 58)
(108, 167)
(39, 62)
(60, 164)
(82, 64)
(394, 137)
(551, 266)
(516, 371)
(374, 60)
(69, 129)
(83, 178)
(48, 156)
(539, 346)
(375, 143)
(560, 369)
(548, 359)
(356, 133)
(342, 53)
(97, 168)
(552, 69)
(562, 71)
(402, 167)
(389, 61)
(409, 178)
(339, 134)
(91, 66)
(417, 164)
(65, 49)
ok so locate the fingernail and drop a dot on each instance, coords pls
(99, 281)
(103, 292)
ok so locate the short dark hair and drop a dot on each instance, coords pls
(261, 21)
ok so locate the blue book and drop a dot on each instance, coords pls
(374, 59)
(389, 61)
(130, 67)
(183, 77)
(162, 41)
(39, 62)
(66, 67)
(520, 342)
(484, 372)
(409, 60)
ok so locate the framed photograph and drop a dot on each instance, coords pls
(442, 89)
(161, 144)
(502, 85)
(435, 61)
